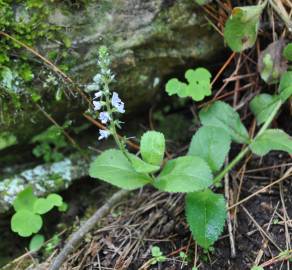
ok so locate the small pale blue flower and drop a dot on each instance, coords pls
(117, 103)
(97, 105)
(103, 134)
(104, 117)
(97, 94)
(97, 78)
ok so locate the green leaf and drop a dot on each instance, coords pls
(257, 268)
(211, 144)
(241, 28)
(63, 208)
(156, 252)
(287, 53)
(198, 86)
(42, 206)
(25, 200)
(7, 139)
(203, 2)
(141, 166)
(25, 223)
(285, 86)
(113, 167)
(7, 77)
(152, 147)
(55, 199)
(222, 115)
(272, 139)
(262, 106)
(36, 242)
(206, 213)
(184, 174)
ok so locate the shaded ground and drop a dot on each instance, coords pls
(149, 218)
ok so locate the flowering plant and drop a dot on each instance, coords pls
(195, 173)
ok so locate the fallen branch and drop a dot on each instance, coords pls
(76, 237)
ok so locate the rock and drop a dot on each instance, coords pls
(44, 179)
(148, 40)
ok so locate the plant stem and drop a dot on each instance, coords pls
(246, 149)
(113, 129)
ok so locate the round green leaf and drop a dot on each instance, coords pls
(287, 53)
(262, 106)
(113, 167)
(152, 147)
(222, 115)
(36, 242)
(25, 200)
(211, 144)
(272, 139)
(25, 223)
(241, 28)
(184, 174)
(206, 213)
(55, 199)
(42, 206)
(141, 166)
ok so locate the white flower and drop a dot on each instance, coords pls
(104, 117)
(97, 94)
(117, 103)
(103, 134)
(97, 105)
(97, 78)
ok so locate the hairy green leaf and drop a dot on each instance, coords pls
(36, 242)
(287, 53)
(198, 86)
(211, 144)
(222, 115)
(241, 28)
(113, 167)
(206, 213)
(141, 166)
(25, 200)
(152, 147)
(184, 174)
(285, 86)
(262, 106)
(272, 139)
(25, 223)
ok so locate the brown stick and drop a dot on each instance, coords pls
(76, 237)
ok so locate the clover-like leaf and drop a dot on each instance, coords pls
(25, 200)
(184, 174)
(287, 53)
(25, 223)
(152, 147)
(141, 166)
(36, 242)
(272, 139)
(211, 144)
(44, 205)
(241, 28)
(222, 115)
(206, 214)
(113, 167)
(198, 87)
(262, 106)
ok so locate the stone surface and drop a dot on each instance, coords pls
(148, 40)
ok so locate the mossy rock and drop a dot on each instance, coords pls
(148, 40)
